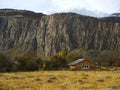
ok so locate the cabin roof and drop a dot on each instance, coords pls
(76, 62)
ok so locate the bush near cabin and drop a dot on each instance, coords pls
(58, 61)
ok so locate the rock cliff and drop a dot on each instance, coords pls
(48, 34)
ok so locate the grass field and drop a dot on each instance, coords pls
(61, 80)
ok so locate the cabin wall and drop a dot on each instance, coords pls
(91, 65)
(72, 67)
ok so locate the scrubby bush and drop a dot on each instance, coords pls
(5, 63)
(58, 61)
(26, 63)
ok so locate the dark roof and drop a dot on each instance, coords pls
(76, 62)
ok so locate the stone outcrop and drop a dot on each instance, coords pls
(48, 34)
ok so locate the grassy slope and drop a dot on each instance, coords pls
(61, 80)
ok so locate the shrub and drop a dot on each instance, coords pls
(27, 64)
(58, 61)
(100, 80)
(5, 64)
(114, 86)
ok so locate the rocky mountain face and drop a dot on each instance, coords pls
(48, 34)
(116, 14)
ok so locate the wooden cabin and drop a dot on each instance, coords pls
(82, 64)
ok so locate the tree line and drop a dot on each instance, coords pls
(58, 61)
(29, 63)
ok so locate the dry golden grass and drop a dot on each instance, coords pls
(61, 80)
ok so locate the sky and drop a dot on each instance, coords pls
(95, 8)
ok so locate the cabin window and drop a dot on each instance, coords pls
(85, 66)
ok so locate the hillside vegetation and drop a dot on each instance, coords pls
(59, 61)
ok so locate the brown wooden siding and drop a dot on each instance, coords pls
(86, 62)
